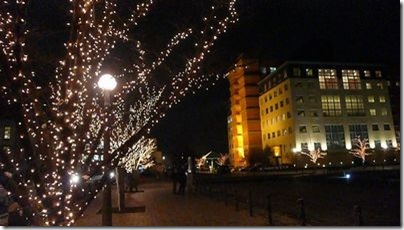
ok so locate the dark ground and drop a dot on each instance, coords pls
(329, 199)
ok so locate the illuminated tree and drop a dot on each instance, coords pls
(61, 116)
(360, 148)
(139, 155)
(223, 159)
(314, 155)
(200, 162)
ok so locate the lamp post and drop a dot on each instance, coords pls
(107, 83)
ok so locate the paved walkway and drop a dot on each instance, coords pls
(163, 208)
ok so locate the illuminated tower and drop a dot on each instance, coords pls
(244, 129)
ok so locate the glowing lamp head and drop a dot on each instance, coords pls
(347, 176)
(75, 179)
(107, 82)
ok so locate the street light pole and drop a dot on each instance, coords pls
(107, 83)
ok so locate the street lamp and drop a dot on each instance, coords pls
(107, 83)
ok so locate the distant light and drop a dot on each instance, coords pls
(347, 176)
(164, 157)
(352, 162)
(295, 150)
(341, 162)
(111, 175)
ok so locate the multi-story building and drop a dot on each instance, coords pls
(244, 129)
(323, 105)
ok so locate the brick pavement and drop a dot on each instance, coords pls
(163, 208)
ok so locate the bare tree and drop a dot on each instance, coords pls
(314, 155)
(360, 148)
(223, 159)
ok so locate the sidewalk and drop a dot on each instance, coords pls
(163, 208)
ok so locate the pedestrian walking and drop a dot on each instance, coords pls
(174, 177)
(182, 177)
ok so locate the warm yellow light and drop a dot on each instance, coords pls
(107, 82)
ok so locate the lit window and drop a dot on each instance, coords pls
(354, 105)
(272, 69)
(375, 127)
(7, 133)
(309, 72)
(300, 113)
(389, 143)
(372, 112)
(304, 146)
(302, 129)
(371, 99)
(384, 112)
(368, 86)
(351, 79)
(386, 127)
(331, 106)
(382, 99)
(379, 85)
(358, 130)
(316, 128)
(283, 116)
(299, 100)
(327, 79)
(335, 136)
(285, 132)
(313, 113)
(366, 73)
(378, 73)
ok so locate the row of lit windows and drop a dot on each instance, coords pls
(331, 105)
(283, 132)
(371, 99)
(275, 106)
(275, 93)
(357, 130)
(274, 120)
(309, 72)
(333, 84)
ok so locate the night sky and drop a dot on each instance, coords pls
(300, 30)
